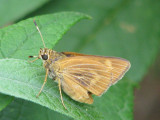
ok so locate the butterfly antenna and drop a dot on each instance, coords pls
(39, 33)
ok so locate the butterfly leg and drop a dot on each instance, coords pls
(59, 85)
(45, 80)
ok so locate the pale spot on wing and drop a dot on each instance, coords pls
(109, 64)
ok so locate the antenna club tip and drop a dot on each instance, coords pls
(34, 22)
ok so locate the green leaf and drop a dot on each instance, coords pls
(4, 101)
(22, 39)
(25, 110)
(12, 10)
(22, 79)
(117, 103)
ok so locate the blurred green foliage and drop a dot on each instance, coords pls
(13, 10)
(122, 28)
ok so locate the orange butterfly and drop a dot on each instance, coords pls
(81, 75)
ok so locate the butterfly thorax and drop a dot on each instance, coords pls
(50, 58)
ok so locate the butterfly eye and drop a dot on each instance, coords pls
(44, 57)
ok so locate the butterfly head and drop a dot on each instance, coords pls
(44, 53)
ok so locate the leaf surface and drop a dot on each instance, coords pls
(4, 101)
(22, 79)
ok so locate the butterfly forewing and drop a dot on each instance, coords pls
(93, 73)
